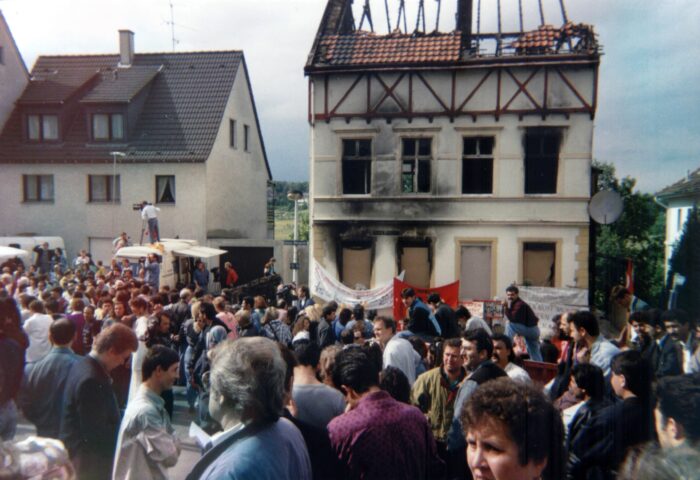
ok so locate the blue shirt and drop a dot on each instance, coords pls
(41, 398)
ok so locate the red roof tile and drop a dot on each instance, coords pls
(363, 48)
(547, 38)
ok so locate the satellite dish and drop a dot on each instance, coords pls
(605, 207)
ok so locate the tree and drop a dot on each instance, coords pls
(638, 235)
(685, 261)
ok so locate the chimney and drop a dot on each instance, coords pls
(126, 48)
(464, 20)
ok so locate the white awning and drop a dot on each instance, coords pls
(11, 252)
(199, 251)
(137, 251)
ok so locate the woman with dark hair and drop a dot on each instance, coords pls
(513, 433)
(394, 382)
(159, 332)
(13, 343)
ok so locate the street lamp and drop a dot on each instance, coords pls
(295, 196)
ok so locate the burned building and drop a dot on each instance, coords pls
(452, 155)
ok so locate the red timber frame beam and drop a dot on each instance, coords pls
(455, 106)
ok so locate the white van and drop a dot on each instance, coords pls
(28, 243)
(176, 256)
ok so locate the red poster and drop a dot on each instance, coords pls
(449, 293)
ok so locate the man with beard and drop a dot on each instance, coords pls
(646, 345)
(678, 345)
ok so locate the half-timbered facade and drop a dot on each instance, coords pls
(454, 155)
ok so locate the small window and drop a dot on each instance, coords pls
(165, 188)
(541, 160)
(246, 132)
(477, 165)
(107, 126)
(357, 166)
(2, 56)
(232, 132)
(415, 165)
(539, 260)
(104, 188)
(42, 127)
(37, 188)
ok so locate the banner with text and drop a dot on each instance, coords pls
(328, 288)
(547, 302)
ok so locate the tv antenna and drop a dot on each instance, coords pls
(172, 25)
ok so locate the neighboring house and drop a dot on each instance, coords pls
(678, 199)
(451, 155)
(93, 135)
(13, 72)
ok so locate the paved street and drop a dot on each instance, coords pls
(181, 422)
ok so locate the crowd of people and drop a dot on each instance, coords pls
(300, 389)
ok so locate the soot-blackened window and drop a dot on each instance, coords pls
(477, 165)
(357, 166)
(415, 165)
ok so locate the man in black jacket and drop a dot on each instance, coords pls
(444, 315)
(90, 420)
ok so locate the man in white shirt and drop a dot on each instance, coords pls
(37, 329)
(503, 356)
(398, 352)
(150, 213)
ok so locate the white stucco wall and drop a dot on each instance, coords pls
(13, 74)
(446, 215)
(236, 194)
(676, 215)
(72, 217)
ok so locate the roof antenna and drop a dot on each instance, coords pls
(172, 25)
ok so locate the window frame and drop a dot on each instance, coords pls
(109, 186)
(110, 127)
(173, 190)
(416, 160)
(41, 130)
(246, 138)
(37, 178)
(558, 244)
(357, 158)
(478, 157)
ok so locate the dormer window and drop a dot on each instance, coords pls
(42, 128)
(107, 127)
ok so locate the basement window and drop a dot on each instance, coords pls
(541, 160)
(477, 165)
(357, 167)
(415, 165)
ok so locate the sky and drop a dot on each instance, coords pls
(648, 118)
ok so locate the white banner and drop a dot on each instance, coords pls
(328, 288)
(547, 302)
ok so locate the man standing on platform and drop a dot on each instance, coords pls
(522, 321)
(150, 214)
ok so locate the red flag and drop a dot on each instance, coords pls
(449, 293)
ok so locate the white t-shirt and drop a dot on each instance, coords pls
(37, 329)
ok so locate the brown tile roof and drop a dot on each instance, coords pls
(688, 186)
(363, 48)
(548, 38)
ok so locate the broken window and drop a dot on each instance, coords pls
(477, 165)
(415, 165)
(539, 260)
(357, 166)
(541, 160)
(356, 264)
(165, 188)
(415, 260)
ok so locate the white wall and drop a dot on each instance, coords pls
(71, 216)
(676, 216)
(236, 196)
(13, 74)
